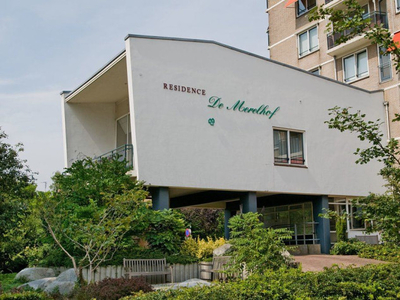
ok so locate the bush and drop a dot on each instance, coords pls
(256, 247)
(351, 247)
(369, 282)
(201, 248)
(25, 296)
(113, 289)
(386, 252)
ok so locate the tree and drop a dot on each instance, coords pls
(92, 206)
(382, 212)
(352, 21)
(254, 247)
(205, 222)
(16, 189)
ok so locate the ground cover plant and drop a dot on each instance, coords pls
(8, 283)
(369, 282)
(113, 289)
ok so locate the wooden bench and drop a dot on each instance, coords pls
(147, 267)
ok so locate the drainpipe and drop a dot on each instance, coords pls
(386, 104)
(334, 66)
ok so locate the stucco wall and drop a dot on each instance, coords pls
(90, 129)
(176, 146)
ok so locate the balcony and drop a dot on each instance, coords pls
(356, 42)
(123, 153)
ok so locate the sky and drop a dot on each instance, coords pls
(47, 46)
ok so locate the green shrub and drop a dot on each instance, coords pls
(25, 296)
(350, 247)
(181, 259)
(8, 282)
(255, 246)
(201, 248)
(369, 282)
(386, 252)
(113, 289)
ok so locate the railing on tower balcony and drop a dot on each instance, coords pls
(376, 17)
(123, 153)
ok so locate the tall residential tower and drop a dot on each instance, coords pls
(295, 41)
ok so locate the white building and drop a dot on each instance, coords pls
(211, 125)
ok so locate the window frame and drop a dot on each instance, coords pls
(307, 8)
(355, 55)
(314, 71)
(288, 147)
(380, 65)
(309, 50)
(128, 128)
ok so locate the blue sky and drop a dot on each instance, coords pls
(50, 46)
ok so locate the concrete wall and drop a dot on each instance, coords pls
(90, 129)
(176, 146)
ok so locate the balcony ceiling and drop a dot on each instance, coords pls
(108, 85)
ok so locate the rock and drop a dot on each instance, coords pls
(31, 274)
(39, 284)
(63, 287)
(191, 283)
(64, 283)
(221, 250)
(68, 275)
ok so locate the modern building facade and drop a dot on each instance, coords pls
(295, 41)
(204, 124)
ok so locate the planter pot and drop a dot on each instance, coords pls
(205, 270)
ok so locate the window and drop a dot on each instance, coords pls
(124, 136)
(298, 218)
(356, 218)
(288, 147)
(397, 5)
(355, 66)
(385, 64)
(315, 71)
(303, 6)
(308, 41)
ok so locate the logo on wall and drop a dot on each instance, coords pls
(240, 106)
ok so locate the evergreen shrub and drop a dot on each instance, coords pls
(369, 282)
(350, 247)
(113, 289)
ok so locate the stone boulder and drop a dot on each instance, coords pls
(68, 275)
(63, 287)
(191, 283)
(39, 284)
(64, 283)
(220, 251)
(31, 274)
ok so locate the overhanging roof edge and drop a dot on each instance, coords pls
(76, 91)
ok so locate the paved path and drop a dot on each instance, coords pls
(318, 262)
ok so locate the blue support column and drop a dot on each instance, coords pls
(322, 229)
(228, 215)
(160, 198)
(249, 202)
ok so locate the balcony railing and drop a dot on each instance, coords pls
(123, 153)
(386, 71)
(375, 17)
